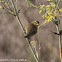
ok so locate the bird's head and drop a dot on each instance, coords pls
(36, 23)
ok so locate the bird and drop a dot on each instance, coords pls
(31, 29)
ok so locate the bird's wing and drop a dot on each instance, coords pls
(31, 30)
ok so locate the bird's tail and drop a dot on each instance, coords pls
(27, 36)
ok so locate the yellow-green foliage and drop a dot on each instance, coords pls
(49, 11)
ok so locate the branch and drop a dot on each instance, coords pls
(24, 31)
(59, 27)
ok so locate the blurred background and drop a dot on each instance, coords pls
(12, 42)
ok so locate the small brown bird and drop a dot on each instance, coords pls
(31, 29)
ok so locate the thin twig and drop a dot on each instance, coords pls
(16, 4)
(22, 8)
(39, 41)
(39, 46)
(59, 27)
(24, 31)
